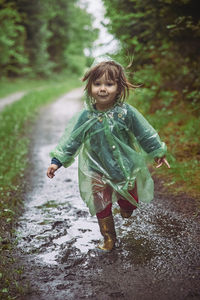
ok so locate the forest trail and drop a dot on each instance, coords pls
(10, 99)
(156, 256)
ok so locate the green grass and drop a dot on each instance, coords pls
(178, 126)
(9, 86)
(15, 127)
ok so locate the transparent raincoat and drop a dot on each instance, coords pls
(113, 148)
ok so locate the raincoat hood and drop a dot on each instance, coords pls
(88, 101)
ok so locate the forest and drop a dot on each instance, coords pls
(39, 38)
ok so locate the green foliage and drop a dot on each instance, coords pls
(162, 35)
(41, 37)
(12, 36)
(67, 43)
(179, 128)
(9, 86)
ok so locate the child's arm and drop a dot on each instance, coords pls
(51, 170)
(71, 141)
(147, 137)
(55, 165)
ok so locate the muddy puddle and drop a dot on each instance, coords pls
(157, 252)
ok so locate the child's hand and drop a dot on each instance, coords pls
(160, 161)
(51, 170)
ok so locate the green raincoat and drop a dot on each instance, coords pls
(114, 148)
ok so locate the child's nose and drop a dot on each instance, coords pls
(102, 87)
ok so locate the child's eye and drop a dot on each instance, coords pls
(110, 83)
(96, 83)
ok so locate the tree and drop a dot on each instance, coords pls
(12, 37)
(164, 34)
(40, 37)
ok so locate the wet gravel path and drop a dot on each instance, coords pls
(157, 254)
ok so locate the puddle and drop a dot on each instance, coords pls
(49, 258)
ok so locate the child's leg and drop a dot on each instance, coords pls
(106, 212)
(103, 199)
(102, 194)
(126, 208)
(107, 229)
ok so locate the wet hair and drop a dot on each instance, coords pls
(112, 71)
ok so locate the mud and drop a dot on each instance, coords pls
(157, 252)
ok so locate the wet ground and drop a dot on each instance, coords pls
(157, 253)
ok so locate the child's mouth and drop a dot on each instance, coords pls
(103, 96)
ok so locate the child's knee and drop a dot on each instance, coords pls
(106, 212)
(125, 204)
(126, 208)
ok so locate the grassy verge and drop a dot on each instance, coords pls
(178, 125)
(24, 84)
(15, 125)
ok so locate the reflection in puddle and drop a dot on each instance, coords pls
(82, 233)
(48, 258)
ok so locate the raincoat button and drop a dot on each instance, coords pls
(113, 147)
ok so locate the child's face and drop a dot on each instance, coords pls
(104, 91)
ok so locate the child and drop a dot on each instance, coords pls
(114, 143)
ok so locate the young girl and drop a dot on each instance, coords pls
(114, 143)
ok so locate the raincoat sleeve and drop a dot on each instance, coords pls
(146, 135)
(71, 141)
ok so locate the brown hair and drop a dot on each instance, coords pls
(112, 71)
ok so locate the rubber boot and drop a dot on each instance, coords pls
(107, 229)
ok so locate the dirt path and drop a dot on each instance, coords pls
(157, 255)
(10, 99)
